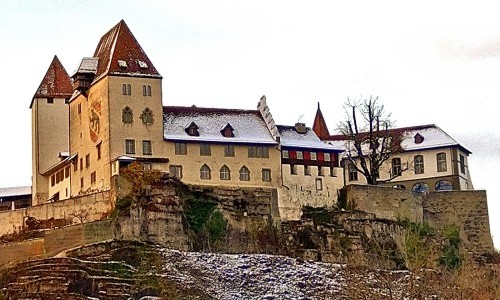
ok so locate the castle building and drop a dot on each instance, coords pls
(430, 160)
(110, 113)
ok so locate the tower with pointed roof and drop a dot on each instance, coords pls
(49, 115)
(115, 112)
(319, 125)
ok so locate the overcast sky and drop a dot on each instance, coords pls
(434, 62)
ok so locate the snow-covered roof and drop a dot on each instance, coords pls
(291, 138)
(248, 125)
(432, 137)
(88, 65)
(15, 191)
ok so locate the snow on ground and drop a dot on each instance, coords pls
(260, 276)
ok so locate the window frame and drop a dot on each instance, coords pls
(129, 146)
(352, 172)
(441, 162)
(418, 164)
(205, 149)
(180, 148)
(147, 150)
(396, 167)
(266, 175)
(177, 171)
(205, 172)
(225, 173)
(244, 174)
(228, 150)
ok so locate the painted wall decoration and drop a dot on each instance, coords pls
(95, 120)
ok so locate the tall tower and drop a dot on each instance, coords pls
(116, 115)
(49, 126)
(319, 125)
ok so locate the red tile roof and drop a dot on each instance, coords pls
(319, 125)
(119, 53)
(55, 83)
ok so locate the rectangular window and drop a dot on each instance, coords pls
(285, 154)
(205, 150)
(146, 90)
(418, 162)
(53, 180)
(180, 148)
(92, 178)
(50, 100)
(353, 173)
(130, 146)
(87, 160)
(319, 184)
(98, 148)
(396, 166)
(300, 155)
(266, 175)
(441, 162)
(146, 166)
(229, 150)
(79, 108)
(175, 171)
(146, 148)
(81, 164)
(462, 164)
(258, 152)
(66, 172)
(126, 89)
(75, 165)
(293, 169)
(81, 183)
(327, 157)
(313, 156)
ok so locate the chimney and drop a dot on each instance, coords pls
(300, 127)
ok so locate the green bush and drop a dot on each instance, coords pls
(450, 255)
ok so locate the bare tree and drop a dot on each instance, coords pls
(371, 139)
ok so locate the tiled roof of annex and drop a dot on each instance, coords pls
(308, 140)
(55, 83)
(248, 125)
(15, 191)
(433, 137)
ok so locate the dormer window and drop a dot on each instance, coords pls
(142, 64)
(192, 129)
(227, 131)
(122, 64)
(418, 138)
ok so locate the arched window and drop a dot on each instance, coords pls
(444, 185)
(127, 115)
(225, 173)
(205, 172)
(420, 187)
(244, 174)
(147, 116)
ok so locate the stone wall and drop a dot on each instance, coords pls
(466, 209)
(385, 202)
(55, 241)
(76, 210)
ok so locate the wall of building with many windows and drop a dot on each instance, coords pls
(224, 164)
